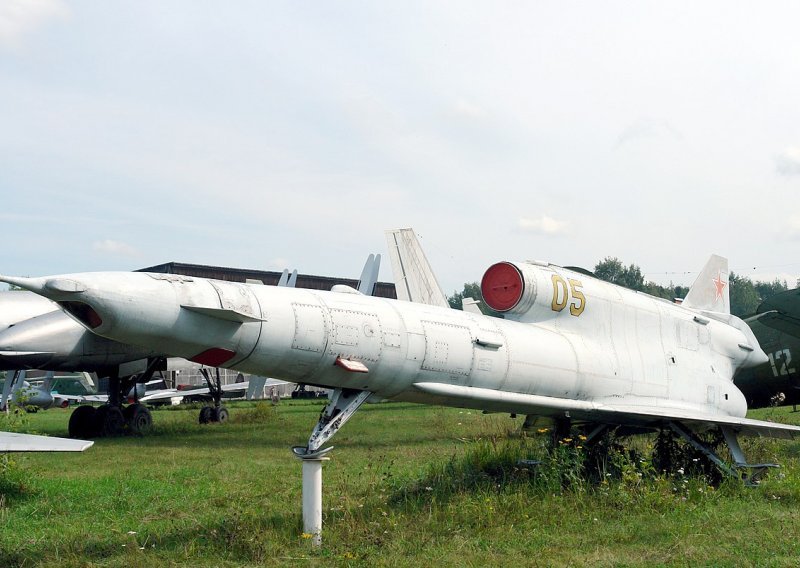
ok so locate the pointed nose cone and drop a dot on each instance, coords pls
(32, 284)
(54, 287)
(70, 291)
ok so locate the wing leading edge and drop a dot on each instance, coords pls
(13, 442)
(502, 401)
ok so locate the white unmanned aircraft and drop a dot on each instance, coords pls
(572, 347)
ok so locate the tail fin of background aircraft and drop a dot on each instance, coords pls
(413, 276)
(13, 382)
(369, 275)
(710, 290)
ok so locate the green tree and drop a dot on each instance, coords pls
(768, 289)
(471, 290)
(743, 294)
(612, 270)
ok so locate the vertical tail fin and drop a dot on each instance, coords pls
(413, 276)
(14, 381)
(710, 290)
(369, 275)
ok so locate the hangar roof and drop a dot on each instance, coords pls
(382, 289)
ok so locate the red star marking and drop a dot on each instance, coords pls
(720, 284)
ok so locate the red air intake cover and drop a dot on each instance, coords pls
(502, 286)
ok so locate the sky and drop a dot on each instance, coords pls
(267, 135)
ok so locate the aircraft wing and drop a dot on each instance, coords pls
(200, 391)
(257, 387)
(13, 442)
(81, 398)
(164, 394)
(581, 410)
(781, 312)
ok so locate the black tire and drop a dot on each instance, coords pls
(138, 419)
(109, 421)
(81, 422)
(206, 414)
(221, 414)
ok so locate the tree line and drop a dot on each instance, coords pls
(745, 294)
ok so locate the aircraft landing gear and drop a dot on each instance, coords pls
(138, 418)
(81, 422)
(205, 414)
(113, 418)
(108, 421)
(216, 413)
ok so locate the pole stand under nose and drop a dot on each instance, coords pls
(312, 498)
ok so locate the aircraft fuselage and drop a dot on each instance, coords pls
(583, 340)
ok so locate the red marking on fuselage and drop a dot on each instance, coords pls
(214, 357)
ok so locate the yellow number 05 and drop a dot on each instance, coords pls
(562, 292)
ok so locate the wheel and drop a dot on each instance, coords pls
(138, 418)
(109, 421)
(81, 422)
(221, 414)
(206, 414)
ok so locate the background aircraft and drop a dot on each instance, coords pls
(18, 391)
(777, 328)
(38, 335)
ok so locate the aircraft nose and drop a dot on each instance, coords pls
(54, 287)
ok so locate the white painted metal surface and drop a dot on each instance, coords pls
(570, 340)
(312, 498)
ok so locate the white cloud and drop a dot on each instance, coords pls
(20, 17)
(788, 162)
(115, 248)
(648, 128)
(279, 264)
(468, 109)
(792, 279)
(543, 225)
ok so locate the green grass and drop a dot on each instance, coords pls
(406, 485)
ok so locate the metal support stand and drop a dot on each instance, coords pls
(689, 436)
(740, 462)
(312, 498)
(757, 470)
(342, 405)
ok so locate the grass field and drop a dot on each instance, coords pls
(407, 485)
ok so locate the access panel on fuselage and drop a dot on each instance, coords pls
(448, 348)
(355, 335)
(310, 330)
